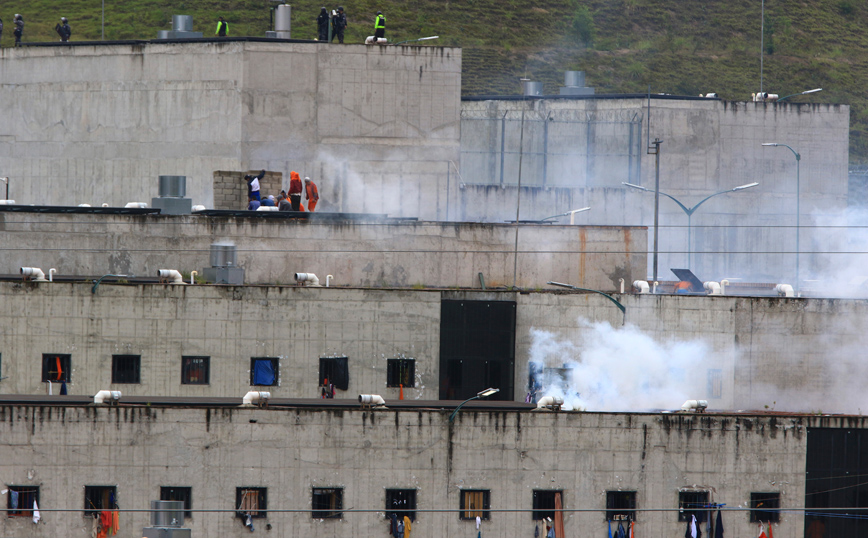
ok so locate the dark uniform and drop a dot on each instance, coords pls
(63, 30)
(19, 29)
(322, 25)
(380, 25)
(339, 24)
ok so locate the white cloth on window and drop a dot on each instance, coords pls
(478, 522)
(36, 516)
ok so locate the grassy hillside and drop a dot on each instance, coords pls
(675, 46)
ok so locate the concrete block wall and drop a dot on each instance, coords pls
(290, 451)
(230, 188)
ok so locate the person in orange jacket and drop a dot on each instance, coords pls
(294, 190)
(311, 194)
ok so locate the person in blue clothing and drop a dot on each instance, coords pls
(269, 202)
(253, 185)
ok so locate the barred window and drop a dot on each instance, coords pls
(126, 368)
(195, 370)
(251, 501)
(475, 503)
(20, 500)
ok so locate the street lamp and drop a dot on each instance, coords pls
(793, 94)
(481, 394)
(6, 181)
(691, 210)
(570, 213)
(798, 212)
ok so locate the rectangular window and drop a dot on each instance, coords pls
(334, 371)
(126, 368)
(475, 503)
(251, 501)
(692, 503)
(178, 493)
(195, 370)
(56, 368)
(620, 505)
(545, 502)
(715, 383)
(20, 499)
(401, 502)
(264, 371)
(327, 503)
(401, 372)
(764, 507)
(98, 498)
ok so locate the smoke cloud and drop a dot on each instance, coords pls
(841, 243)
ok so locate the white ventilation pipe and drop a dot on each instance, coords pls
(549, 401)
(328, 279)
(371, 399)
(51, 274)
(255, 397)
(7, 202)
(266, 208)
(785, 290)
(307, 279)
(654, 289)
(642, 286)
(196, 208)
(621, 280)
(83, 205)
(723, 284)
(33, 273)
(170, 276)
(136, 205)
(699, 405)
(101, 396)
(713, 288)
(193, 276)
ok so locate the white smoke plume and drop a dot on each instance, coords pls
(841, 263)
(619, 369)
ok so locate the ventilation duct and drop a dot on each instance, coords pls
(182, 28)
(574, 84)
(283, 21)
(224, 265)
(171, 201)
(532, 89)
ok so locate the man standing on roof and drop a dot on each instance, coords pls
(63, 29)
(322, 25)
(311, 194)
(222, 28)
(339, 24)
(19, 29)
(295, 190)
(380, 25)
(253, 185)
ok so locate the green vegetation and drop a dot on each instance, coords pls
(624, 46)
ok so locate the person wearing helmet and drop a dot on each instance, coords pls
(380, 25)
(339, 24)
(63, 29)
(19, 29)
(322, 25)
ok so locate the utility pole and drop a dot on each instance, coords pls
(654, 149)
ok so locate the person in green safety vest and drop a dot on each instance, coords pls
(380, 25)
(222, 28)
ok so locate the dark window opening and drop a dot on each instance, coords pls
(764, 507)
(251, 502)
(264, 371)
(20, 499)
(178, 493)
(97, 498)
(401, 372)
(477, 348)
(475, 503)
(401, 502)
(327, 503)
(692, 503)
(195, 370)
(334, 371)
(126, 368)
(56, 368)
(545, 502)
(621, 505)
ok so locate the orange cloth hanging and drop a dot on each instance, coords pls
(59, 370)
(115, 522)
(559, 516)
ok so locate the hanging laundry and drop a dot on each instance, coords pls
(762, 531)
(632, 524)
(399, 528)
(63, 389)
(116, 524)
(393, 524)
(94, 531)
(14, 499)
(407, 526)
(559, 516)
(36, 516)
(478, 522)
(770, 530)
(621, 532)
(692, 530)
(718, 525)
(610, 528)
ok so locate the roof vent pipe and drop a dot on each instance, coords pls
(713, 288)
(103, 395)
(255, 397)
(696, 405)
(550, 402)
(170, 276)
(33, 273)
(307, 279)
(785, 290)
(642, 286)
(223, 255)
(370, 400)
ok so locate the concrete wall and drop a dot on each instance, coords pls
(289, 451)
(786, 354)
(376, 253)
(374, 127)
(593, 145)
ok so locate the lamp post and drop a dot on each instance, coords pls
(570, 213)
(691, 210)
(798, 212)
(621, 307)
(481, 394)
(6, 181)
(800, 93)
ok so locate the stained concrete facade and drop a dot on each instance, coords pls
(786, 354)
(577, 152)
(99, 123)
(289, 451)
(357, 253)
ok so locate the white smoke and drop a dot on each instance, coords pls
(840, 243)
(619, 368)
